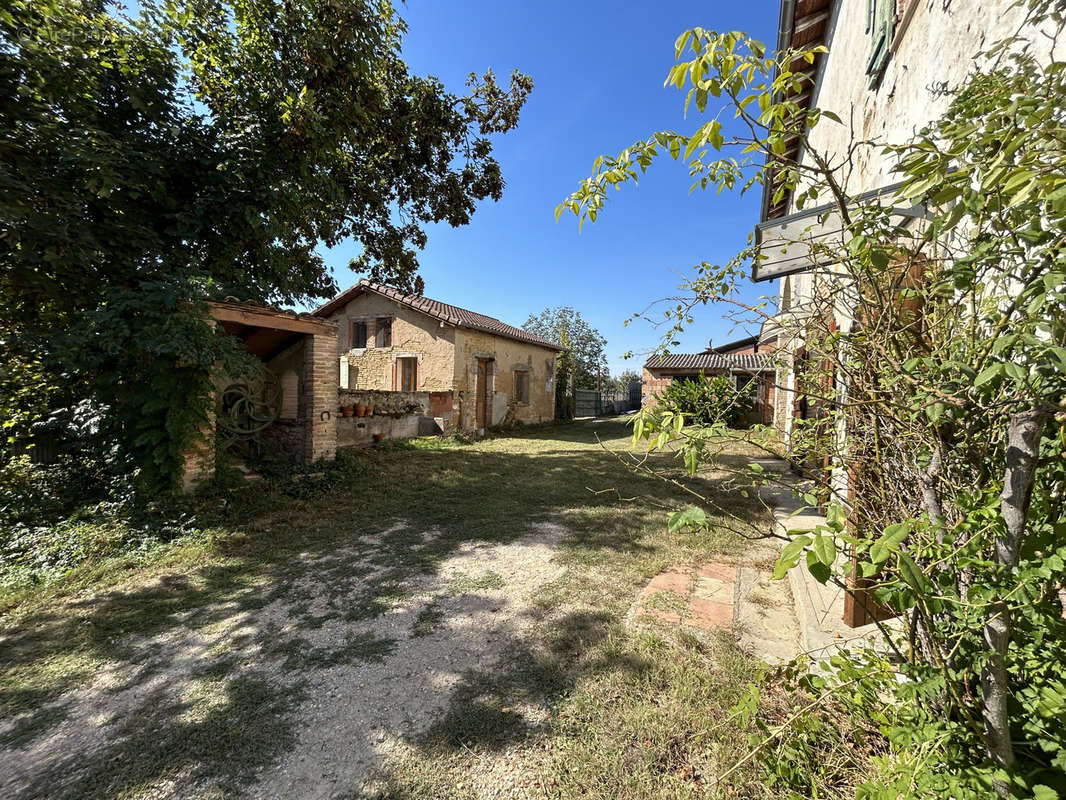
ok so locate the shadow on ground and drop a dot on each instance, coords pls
(333, 619)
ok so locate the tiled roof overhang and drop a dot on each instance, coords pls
(449, 314)
(802, 23)
(711, 362)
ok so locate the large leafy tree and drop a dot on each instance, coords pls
(207, 148)
(585, 345)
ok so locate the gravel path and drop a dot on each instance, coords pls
(323, 700)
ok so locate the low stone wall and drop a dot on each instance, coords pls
(397, 415)
(430, 404)
(357, 431)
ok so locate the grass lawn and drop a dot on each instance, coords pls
(440, 619)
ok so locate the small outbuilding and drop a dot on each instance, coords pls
(476, 371)
(744, 361)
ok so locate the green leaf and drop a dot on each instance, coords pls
(913, 575)
(691, 517)
(834, 517)
(825, 549)
(889, 542)
(987, 374)
(819, 570)
(790, 556)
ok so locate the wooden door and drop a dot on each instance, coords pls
(482, 412)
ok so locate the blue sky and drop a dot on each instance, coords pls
(598, 71)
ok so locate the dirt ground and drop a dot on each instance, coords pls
(368, 653)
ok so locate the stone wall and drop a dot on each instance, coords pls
(289, 433)
(397, 415)
(199, 460)
(396, 404)
(508, 356)
(652, 386)
(360, 431)
(318, 406)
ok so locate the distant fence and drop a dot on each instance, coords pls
(591, 403)
(587, 403)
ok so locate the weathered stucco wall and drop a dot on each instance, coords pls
(934, 47)
(413, 334)
(508, 356)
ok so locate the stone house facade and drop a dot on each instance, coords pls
(883, 75)
(391, 341)
(885, 72)
(745, 360)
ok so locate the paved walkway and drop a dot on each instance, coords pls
(703, 599)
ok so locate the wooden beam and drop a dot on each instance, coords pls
(264, 318)
(810, 21)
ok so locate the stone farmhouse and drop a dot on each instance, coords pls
(885, 62)
(479, 372)
(744, 360)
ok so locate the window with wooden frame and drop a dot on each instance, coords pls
(358, 334)
(407, 374)
(383, 338)
(521, 386)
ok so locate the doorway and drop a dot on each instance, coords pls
(483, 405)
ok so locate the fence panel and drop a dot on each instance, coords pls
(586, 403)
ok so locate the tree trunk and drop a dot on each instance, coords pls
(1023, 450)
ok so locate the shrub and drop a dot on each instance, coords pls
(708, 400)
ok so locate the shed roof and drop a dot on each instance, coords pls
(452, 315)
(266, 332)
(711, 362)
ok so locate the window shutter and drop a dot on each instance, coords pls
(882, 17)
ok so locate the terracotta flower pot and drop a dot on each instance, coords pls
(347, 411)
(379, 437)
(360, 410)
(370, 411)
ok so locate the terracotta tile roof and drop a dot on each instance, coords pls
(711, 362)
(452, 315)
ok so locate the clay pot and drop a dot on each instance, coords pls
(347, 411)
(360, 410)
(370, 411)
(379, 437)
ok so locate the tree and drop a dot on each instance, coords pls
(585, 345)
(955, 379)
(622, 382)
(206, 148)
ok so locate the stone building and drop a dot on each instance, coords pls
(888, 71)
(884, 75)
(479, 371)
(744, 361)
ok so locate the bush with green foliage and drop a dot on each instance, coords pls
(705, 400)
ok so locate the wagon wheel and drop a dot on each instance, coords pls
(247, 408)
